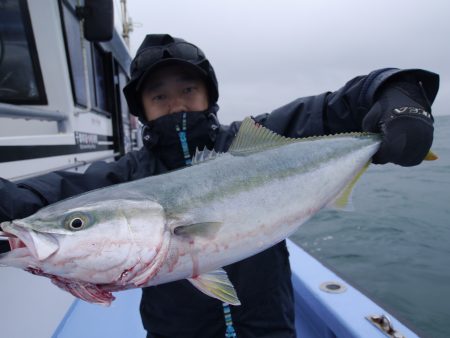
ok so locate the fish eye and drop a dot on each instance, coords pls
(76, 221)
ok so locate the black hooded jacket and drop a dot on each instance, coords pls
(263, 281)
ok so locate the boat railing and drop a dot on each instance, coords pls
(76, 164)
(29, 113)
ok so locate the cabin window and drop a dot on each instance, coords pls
(128, 122)
(20, 77)
(74, 48)
(100, 63)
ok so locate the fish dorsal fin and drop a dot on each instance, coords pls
(252, 138)
(204, 155)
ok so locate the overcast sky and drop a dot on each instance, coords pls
(267, 53)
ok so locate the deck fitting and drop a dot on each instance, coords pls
(333, 287)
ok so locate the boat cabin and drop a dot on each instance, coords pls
(62, 70)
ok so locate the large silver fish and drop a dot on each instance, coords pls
(191, 222)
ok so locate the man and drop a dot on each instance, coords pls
(174, 92)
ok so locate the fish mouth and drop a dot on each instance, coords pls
(26, 243)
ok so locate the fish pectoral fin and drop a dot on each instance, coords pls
(431, 156)
(217, 285)
(202, 229)
(343, 200)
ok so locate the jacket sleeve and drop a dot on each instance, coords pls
(344, 109)
(23, 198)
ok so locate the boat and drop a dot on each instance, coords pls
(61, 100)
(62, 70)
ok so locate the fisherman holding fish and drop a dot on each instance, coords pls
(174, 92)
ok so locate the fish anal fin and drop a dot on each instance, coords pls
(217, 285)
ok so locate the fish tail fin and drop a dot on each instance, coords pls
(431, 156)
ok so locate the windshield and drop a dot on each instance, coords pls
(20, 80)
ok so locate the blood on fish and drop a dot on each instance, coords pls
(195, 267)
(86, 291)
(172, 260)
(125, 273)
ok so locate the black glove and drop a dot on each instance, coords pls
(402, 115)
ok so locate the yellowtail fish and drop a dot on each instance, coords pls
(189, 223)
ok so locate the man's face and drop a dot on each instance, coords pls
(172, 89)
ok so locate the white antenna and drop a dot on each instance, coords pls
(127, 25)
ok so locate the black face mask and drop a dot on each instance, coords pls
(174, 138)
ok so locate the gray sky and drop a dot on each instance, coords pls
(267, 53)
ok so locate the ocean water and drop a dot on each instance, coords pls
(395, 244)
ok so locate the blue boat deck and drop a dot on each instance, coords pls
(319, 314)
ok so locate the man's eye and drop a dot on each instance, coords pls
(188, 90)
(158, 97)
